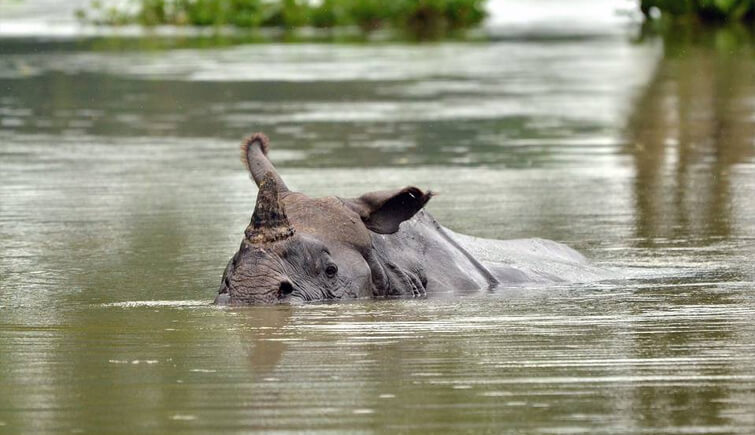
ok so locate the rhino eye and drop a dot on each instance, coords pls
(331, 270)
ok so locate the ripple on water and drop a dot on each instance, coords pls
(170, 304)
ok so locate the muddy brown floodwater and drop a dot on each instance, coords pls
(122, 197)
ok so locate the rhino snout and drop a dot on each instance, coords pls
(222, 299)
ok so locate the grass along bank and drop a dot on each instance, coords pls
(418, 18)
(700, 10)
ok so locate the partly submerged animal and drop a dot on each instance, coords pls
(382, 244)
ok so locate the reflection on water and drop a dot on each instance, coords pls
(122, 197)
(692, 130)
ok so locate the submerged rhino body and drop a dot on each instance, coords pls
(382, 244)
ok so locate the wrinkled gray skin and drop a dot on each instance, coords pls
(382, 244)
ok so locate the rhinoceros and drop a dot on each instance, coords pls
(382, 244)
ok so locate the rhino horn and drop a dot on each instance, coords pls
(254, 155)
(269, 222)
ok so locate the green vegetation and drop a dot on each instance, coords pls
(422, 18)
(702, 10)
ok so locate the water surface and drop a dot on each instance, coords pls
(122, 197)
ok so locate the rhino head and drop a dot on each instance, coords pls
(298, 248)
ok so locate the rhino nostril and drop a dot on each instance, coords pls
(286, 288)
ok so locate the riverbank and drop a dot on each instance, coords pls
(50, 19)
(428, 19)
(701, 11)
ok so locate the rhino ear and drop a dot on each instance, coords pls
(383, 211)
